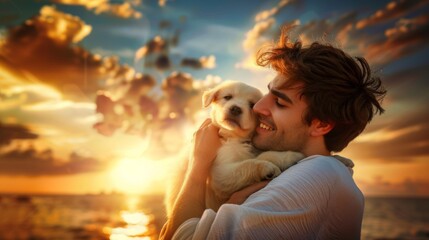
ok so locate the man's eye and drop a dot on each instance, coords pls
(279, 104)
(227, 97)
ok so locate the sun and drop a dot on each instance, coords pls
(139, 175)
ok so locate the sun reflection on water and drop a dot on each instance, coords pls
(135, 218)
(135, 224)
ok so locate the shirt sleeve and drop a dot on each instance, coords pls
(292, 206)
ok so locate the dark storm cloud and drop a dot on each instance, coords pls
(10, 132)
(31, 162)
(393, 10)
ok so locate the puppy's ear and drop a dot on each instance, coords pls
(209, 96)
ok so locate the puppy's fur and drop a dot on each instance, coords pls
(237, 164)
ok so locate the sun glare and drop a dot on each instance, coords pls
(136, 176)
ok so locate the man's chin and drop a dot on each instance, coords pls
(260, 143)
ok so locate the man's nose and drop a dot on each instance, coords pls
(261, 106)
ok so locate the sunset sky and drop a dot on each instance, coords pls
(100, 96)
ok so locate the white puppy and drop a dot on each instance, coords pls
(237, 164)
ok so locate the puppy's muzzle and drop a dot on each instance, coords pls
(235, 111)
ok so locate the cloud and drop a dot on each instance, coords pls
(122, 53)
(393, 10)
(123, 10)
(338, 31)
(407, 37)
(324, 29)
(51, 57)
(30, 162)
(203, 62)
(154, 45)
(10, 132)
(253, 37)
(253, 42)
(41, 108)
(135, 108)
(158, 113)
(399, 135)
(19, 95)
(155, 53)
(260, 36)
(262, 33)
(407, 145)
(263, 15)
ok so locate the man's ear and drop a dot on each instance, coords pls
(319, 128)
(209, 96)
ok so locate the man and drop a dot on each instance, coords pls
(320, 100)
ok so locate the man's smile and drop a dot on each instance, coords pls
(265, 126)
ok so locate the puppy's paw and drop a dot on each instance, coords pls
(283, 160)
(269, 171)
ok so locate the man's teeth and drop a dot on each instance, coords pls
(266, 127)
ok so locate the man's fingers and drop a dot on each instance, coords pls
(206, 123)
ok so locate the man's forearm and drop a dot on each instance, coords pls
(190, 202)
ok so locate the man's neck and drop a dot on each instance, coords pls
(316, 149)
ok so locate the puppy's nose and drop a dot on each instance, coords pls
(235, 111)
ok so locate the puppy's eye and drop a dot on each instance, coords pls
(227, 97)
(251, 104)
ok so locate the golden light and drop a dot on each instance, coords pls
(139, 175)
(132, 202)
(129, 232)
(135, 217)
(135, 224)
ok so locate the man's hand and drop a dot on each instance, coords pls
(206, 145)
(240, 196)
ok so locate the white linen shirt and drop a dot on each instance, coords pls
(314, 199)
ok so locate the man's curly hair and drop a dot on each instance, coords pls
(338, 88)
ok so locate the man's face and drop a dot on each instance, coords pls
(280, 112)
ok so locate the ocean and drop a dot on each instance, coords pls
(116, 216)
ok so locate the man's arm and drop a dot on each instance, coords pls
(190, 202)
(240, 196)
